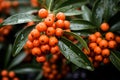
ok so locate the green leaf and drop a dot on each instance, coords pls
(74, 67)
(115, 59)
(115, 27)
(21, 40)
(17, 60)
(26, 70)
(77, 25)
(8, 55)
(81, 40)
(73, 12)
(49, 4)
(39, 76)
(74, 54)
(20, 18)
(86, 13)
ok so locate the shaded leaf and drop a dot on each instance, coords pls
(17, 60)
(39, 76)
(21, 40)
(77, 25)
(115, 59)
(115, 27)
(49, 4)
(74, 54)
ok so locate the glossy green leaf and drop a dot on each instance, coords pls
(20, 18)
(115, 27)
(77, 25)
(17, 60)
(74, 67)
(86, 13)
(21, 40)
(39, 76)
(115, 59)
(74, 54)
(8, 55)
(81, 40)
(49, 4)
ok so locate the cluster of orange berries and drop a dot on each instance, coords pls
(8, 75)
(56, 68)
(100, 46)
(44, 38)
(5, 5)
(4, 31)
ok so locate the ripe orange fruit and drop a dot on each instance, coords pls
(29, 44)
(43, 39)
(98, 40)
(60, 16)
(5, 78)
(30, 37)
(52, 16)
(11, 74)
(86, 51)
(104, 26)
(41, 27)
(98, 58)
(66, 24)
(92, 45)
(109, 36)
(54, 49)
(97, 34)
(117, 39)
(53, 41)
(4, 73)
(36, 43)
(58, 32)
(42, 13)
(103, 43)
(105, 52)
(92, 38)
(50, 31)
(112, 44)
(45, 48)
(60, 23)
(49, 21)
(90, 58)
(15, 3)
(36, 51)
(97, 50)
(54, 57)
(40, 59)
(51, 76)
(106, 60)
(96, 64)
(35, 33)
(15, 78)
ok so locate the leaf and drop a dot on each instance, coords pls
(49, 4)
(115, 59)
(77, 25)
(73, 12)
(74, 67)
(81, 40)
(20, 18)
(39, 76)
(86, 13)
(26, 70)
(17, 60)
(74, 54)
(115, 27)
(8, 55)
(21, 40)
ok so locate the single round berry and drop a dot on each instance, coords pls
(42, 13)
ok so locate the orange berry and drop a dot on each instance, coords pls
(103, 43)
(60, 23)
(104, 26)
(96, 64)
(30, 37)
(36, 43)
(92, 38)
(5, 78)
(97, 34)
(109, 36)
(43, 39)
(53, 41)
(92, 45)
(45, 48)
(47, 70)
(54, 26)
(36, 51)
(52, 16)
(66, 24)
(53, 66)
(60, 16)
(41, 27)
(29, 44)
(11, 74)
(40, 59)
(54, 57)
(112, 44)
(98, 58)
(15, 78)
(54, 50)
(35, 33)
(105, 52)
(4, 73)
(106, 60)
(42, 13)
(90, 58)
(49, 21)
(98, 40)
(58, 32)
(97, 50)
(50, 31)
(15, 3)
(86, 51)
(117, 39)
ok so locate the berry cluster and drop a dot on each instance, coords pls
(4, 31)
(100, 45)
(56, 68)
(8, 75)
(44, 38)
